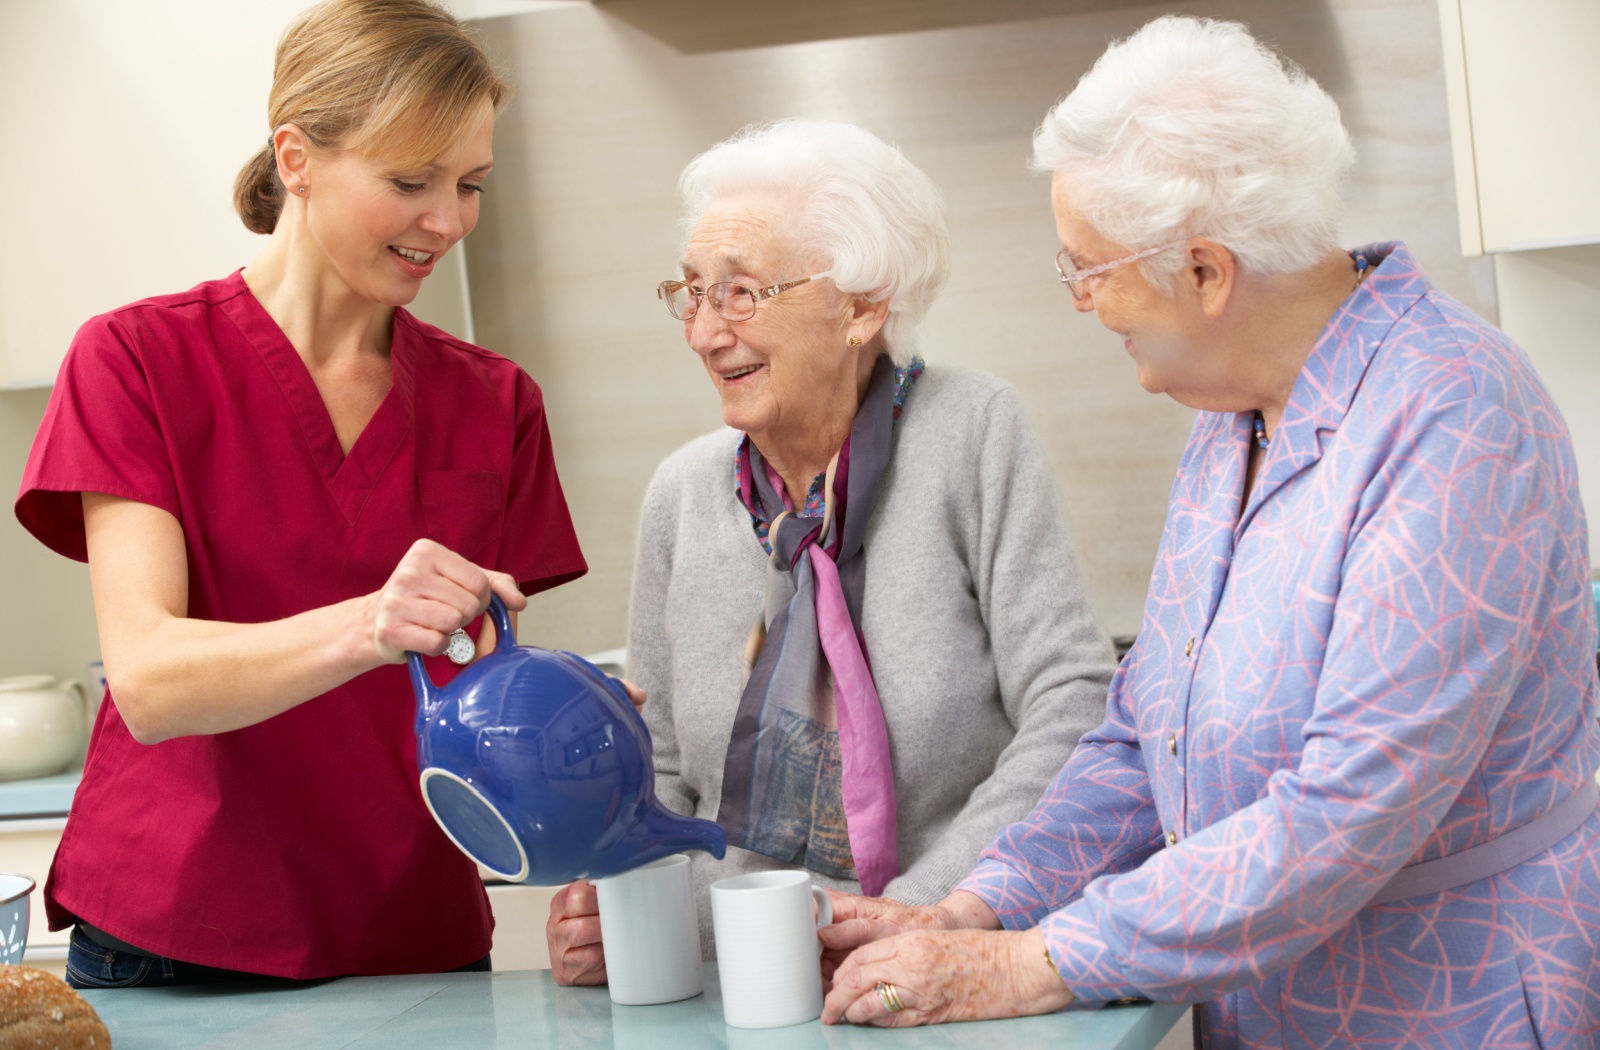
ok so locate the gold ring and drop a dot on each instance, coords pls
(889, 995)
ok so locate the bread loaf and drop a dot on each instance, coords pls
(38, 1011)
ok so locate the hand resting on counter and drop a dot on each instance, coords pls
(947, 962)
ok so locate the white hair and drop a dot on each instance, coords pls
(1192, 128)
(869, 215)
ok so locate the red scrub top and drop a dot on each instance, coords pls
(300, 846)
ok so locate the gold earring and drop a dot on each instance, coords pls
(853, 342)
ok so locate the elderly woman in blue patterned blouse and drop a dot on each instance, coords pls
(1344, 794)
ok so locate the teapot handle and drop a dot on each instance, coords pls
(505, 640)
(505, 637)
(83, 700)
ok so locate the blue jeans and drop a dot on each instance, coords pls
(92, 965)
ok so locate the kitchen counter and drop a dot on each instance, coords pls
(39, 796)
(522, 1008)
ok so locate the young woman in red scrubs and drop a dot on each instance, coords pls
(282, 481)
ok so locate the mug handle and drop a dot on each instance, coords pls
(824, 911)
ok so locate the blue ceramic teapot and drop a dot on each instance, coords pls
(538, 767)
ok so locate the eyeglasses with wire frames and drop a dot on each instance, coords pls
(1074, 278)
(731, 300)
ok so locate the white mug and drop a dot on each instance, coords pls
(651, 933)
(768, 955)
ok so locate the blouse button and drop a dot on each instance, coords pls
(1172, 838)
(1188, 650)
(1172, 745)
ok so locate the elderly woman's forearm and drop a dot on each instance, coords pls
(968, 911)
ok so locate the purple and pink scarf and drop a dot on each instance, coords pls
(808, 778)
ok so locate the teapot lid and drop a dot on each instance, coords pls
(26, 681)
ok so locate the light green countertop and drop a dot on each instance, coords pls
(525, 1008)
(39, 796)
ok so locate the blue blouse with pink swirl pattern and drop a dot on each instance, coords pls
(1381, 658)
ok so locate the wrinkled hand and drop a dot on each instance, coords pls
(946, 975)
(573, 935)
(432, 593)
(862, 920)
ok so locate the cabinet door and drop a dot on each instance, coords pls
(1524, 86)
(519, 917)
(26, 848)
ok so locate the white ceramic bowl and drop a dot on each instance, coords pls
(14, 891)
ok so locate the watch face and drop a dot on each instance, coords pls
(460, 650)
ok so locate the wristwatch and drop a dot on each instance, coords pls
(460, 649)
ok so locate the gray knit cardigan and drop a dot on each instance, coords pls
(987, 658)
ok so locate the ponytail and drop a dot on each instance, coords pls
(396, 79)
(257, 193)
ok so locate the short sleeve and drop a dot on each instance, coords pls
(100, 433)
(538, 546)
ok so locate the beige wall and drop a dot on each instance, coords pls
(1550, 303)
(44, 598)
(612, 100)
(579, 225)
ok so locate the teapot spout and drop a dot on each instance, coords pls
(661, 833)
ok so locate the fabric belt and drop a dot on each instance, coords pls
(105, 940)
(1498, 854)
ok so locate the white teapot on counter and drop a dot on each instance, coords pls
(42, 727)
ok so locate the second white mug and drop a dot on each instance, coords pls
(651, 933)
(768, 955)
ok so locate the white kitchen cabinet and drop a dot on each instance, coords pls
(519, 917)
(1523, 81)
(119, 171)
(26, 848)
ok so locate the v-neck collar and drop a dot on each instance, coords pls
(1332, 374)
(351, 477)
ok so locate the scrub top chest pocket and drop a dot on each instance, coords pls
(464, 510)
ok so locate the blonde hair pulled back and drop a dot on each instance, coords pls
(396, 79)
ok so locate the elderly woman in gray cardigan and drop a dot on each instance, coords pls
(856, 610)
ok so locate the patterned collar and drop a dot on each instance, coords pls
(904, 378)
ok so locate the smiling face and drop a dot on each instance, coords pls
(381, 229)
(1158, 330)
(786, 374)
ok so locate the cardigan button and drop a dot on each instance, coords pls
(1172, 745)
(1172, 838)
(1188, 650)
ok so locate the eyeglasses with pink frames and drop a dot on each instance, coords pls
(1074, 278)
